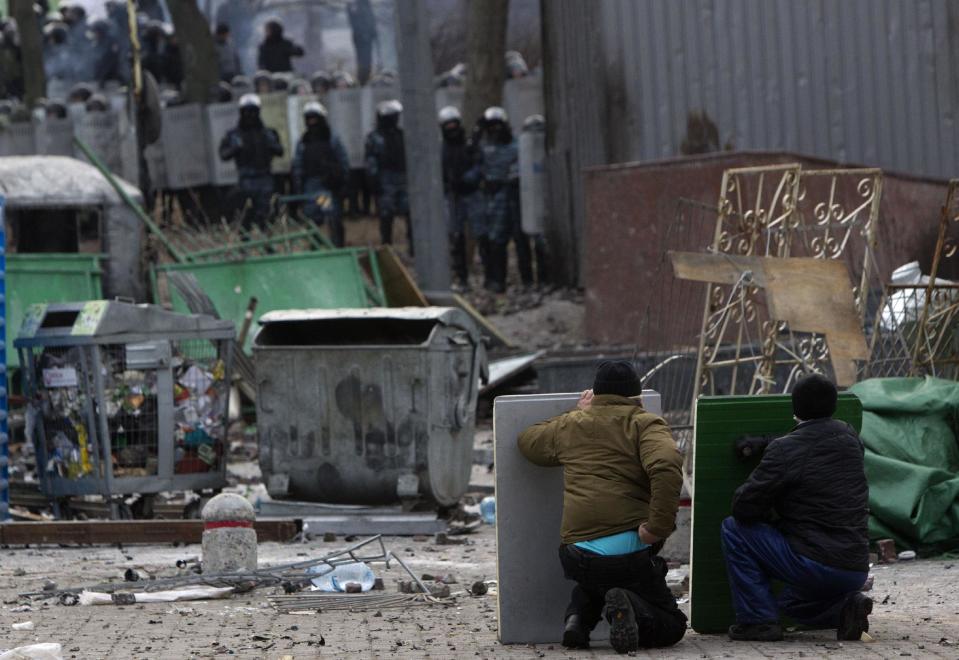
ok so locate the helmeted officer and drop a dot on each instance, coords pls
(321, 169)
(464, 202)
(253, 146)
(386, 169)
(500, 169)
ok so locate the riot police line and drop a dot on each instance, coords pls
(185, 156)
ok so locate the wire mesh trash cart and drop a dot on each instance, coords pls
(125, 399)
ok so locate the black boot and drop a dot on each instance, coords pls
(756, 632)
(458, 259)
(524, 258)
(575, 636)
(386, 230)
(498, 261)
(623, 630)
(854, 618)
(483, 245)
(542, 262)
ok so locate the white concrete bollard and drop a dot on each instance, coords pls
(229, 540)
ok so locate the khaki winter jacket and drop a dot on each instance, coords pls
(620, 464)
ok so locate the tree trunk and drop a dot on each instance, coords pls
(201, 71)
(485, 47)
(31, 51)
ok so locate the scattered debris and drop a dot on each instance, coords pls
(887, 551)
(479, 588)
(26, 625)
(126, 598)
(907, 555)
(43, 651)
(867, 585)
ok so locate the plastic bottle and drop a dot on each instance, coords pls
(339, 577)
(488, 510)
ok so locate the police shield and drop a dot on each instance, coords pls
(450, 96)
(100, 132)
(273, 113)
(156, 166)
(16, 139)
(184, 147)
(127, 136)
(220, 118)
(294, 117)
(532, 179)
(523, 97)
(55, 137)
(372, 97)
(344, 106)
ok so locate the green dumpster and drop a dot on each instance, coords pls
(47, 278)
(302, 280)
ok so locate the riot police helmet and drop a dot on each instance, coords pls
(495, 113)
(449, 114)
(314, 108)
(248, 101)
(389, 108)
(534, 123)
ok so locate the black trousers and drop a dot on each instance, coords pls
(641, 574)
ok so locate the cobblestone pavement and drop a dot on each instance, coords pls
(916, 614)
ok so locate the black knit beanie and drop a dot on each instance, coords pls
(814, 397)
(617, 377)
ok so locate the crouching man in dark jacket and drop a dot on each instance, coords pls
(814, 481)
(623, 476)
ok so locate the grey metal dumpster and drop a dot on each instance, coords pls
(367, 406)
(125, 398)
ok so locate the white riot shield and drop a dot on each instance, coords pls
(522, 97)
(372, 97)
(55, 137)
(450, 96)
(220, 118)
(16, 139)
(532, 180)
(344, 106)
(294, 118)
(273, 114)
(156, 165)
(100, 132)
(184, 147)
(127, 136)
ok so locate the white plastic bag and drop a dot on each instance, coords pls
(45, 651)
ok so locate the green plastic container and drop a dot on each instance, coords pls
(717, 473)
(47, 278)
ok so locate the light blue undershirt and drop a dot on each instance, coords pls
(622, 543)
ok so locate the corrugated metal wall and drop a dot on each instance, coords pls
(865, 81)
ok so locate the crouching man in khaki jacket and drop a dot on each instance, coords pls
(623, 477)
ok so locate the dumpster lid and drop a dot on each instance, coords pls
(82, 321)
(450, 316)
(25, 182)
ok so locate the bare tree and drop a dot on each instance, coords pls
(200, 64)
(485, 45)
(31, 51)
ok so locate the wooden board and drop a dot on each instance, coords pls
(811, 295)
(717, 472)
(450, 299)
(399, 285)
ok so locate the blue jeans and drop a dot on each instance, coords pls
(813, 593)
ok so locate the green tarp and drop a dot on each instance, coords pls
(912, 460)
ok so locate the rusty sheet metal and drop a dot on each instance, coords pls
(630, 211)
